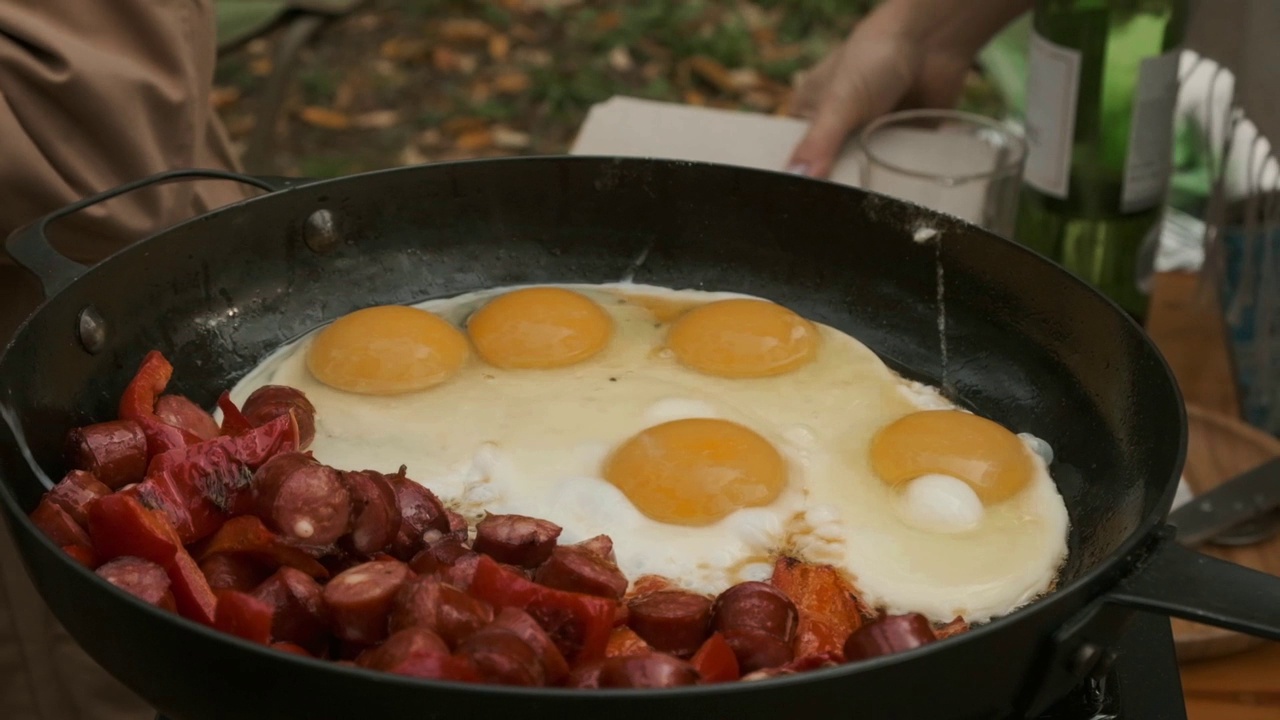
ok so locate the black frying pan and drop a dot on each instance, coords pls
(1026, 344)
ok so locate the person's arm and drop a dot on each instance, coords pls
(906, 53)
(93, 95)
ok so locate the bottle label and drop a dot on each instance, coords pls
(1150, 158)
(1053, 82)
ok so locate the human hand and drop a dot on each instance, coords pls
(892, 60)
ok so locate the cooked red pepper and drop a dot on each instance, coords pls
(83, 555)
(244, 616)
(578, 624)
(120, 525)
(233, 421)
(247, 535)
(715, 660)
(139, 397)
(830, 609)
(199, 487)
(624, 641)
(58, 525)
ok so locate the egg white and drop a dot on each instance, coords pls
(533, 442)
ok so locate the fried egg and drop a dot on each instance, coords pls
(706, 433)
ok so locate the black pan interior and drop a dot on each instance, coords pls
(1024, 344)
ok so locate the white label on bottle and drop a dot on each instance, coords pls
(1053, 80)
(1150, 159)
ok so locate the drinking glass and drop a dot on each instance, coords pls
(955, 162)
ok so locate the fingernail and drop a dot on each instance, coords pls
(800, 168)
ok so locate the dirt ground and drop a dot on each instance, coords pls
(411, 81)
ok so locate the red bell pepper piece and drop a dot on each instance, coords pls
(624, 641)
(120, 524)
(715, 661)
(247, 535)
(233, 421)
(244, 616)
(830, 609)
(139, 397)
(292, 648)
(83, 555)
(578, 624)
(200, 486)
(58, 525)
(162, 437)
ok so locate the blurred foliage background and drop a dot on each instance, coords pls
(398, 82)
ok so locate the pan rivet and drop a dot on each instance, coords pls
(321, 231)
(1086, 656)
(93, 329)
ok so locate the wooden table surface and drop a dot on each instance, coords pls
(1185, 324)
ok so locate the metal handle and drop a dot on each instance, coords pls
(29, 246)
(1169, 580)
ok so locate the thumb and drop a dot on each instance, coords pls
(816, 152)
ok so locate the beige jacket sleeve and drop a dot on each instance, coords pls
(93, 94)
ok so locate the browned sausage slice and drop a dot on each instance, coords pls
(439, 607)
(756, 606)
(458, 526)
(400, 646)
(299, 614)
(577, 569)
(360, 599)
(460, 573)
(301, 500)
(652, 670)
(518, 621)
(757, 650)
(891, 634)
(420, 510)
(74, 493)
(178, 411)
(115, 452)
(142, 579)
(502, 658)
(375, 517)
(601, 545)
(233, 571)
(516, 539)
(271, 401)
(673, 621)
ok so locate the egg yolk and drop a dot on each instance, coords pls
(984, 454)
(387, 350)
(539, 328)
(696, 471)
(742, 338)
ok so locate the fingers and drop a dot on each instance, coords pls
(869, 78)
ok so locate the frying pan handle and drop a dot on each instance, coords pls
(1184, 583)
(30, 247)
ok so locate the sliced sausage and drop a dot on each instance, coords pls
(401, 645)
(673, 621)
(439, 607)
(576, 569)
(291, 648)
(420, 510)
(516, 539)
(460, 573)
(503, 658)
(458, 526)
(299, 613)
(142, 579)
(756, 606)
(360, 599)
(233, 571)
(74, 493)
(178, 411)
(375, 514)
(522, 624)
(271, 401)
(894, 633)
(654, 670)
(115, 452)
(756, 649)
(439, 555)
(58, 525)
(600, 545)
(302, 500)
(586, 676)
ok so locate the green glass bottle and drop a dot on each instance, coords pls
(1101, 93)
